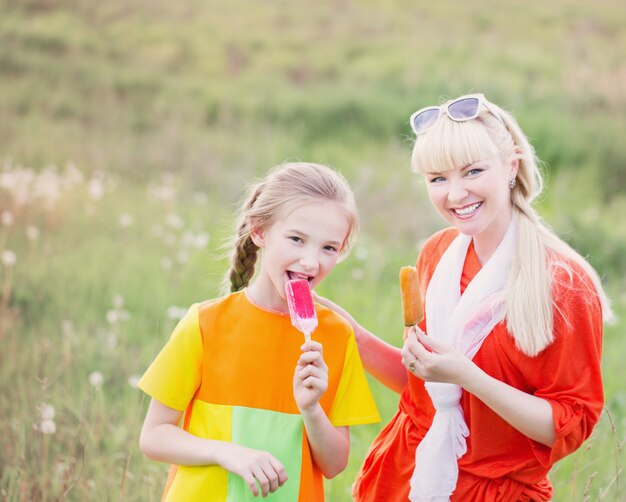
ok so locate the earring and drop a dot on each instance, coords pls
(512, 183)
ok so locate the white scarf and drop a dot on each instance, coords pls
(463, 321)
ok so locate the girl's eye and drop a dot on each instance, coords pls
(295, 238)
(332, 249)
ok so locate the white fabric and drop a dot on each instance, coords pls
(463, 321)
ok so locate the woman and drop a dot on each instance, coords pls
(502, 378)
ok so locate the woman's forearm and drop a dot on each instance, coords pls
(381, 359)
(530, 415)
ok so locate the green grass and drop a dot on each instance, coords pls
(193, 99)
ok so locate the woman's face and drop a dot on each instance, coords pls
(476, 199)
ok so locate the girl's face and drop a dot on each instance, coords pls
(304, 244)
(476, 199)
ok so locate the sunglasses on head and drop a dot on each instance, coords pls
(460, 110)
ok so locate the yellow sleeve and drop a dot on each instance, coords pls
(175, 374)
(354, 403)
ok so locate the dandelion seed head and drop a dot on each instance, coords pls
(174, 221)
(133, 381)
(360, 253)
(95, 188)
(96, 378)
(47, 427)
(112, 316)
(46, 411)
(358, 274)
(6, 218)
(125, 220)
(32, 233)
(118, 301)
(8, 258)
(175, 313)
(61, 468)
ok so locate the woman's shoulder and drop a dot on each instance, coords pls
(568, 275)
(439, 241)
(431, 251)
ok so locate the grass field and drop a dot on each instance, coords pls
(127, 132)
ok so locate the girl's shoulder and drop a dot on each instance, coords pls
(332, 320)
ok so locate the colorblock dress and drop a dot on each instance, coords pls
(501, 464)
(229, 366)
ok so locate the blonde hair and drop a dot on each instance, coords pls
(540, 253)
(286, 187)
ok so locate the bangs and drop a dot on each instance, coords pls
(449, 145)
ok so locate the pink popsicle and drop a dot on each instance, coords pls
(301, 308)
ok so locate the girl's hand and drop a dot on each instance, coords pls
(254, 466)
(433, 361)
(310, 379)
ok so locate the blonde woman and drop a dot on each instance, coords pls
(502, 378)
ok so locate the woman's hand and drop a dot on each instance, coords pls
(253, 466)
(433, 361)
(310, 379)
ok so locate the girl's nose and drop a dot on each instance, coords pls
(309, 262)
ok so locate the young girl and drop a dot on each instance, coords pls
(262, 412)
(502, 378)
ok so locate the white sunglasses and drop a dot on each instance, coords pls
(460, 110)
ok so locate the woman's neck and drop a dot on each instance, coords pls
(486, 243)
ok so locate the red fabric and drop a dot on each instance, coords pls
(501, 464)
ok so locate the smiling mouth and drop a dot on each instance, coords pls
(297, 275)
(467, 210)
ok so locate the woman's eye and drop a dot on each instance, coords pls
(474, 172)
(295, 238)
(332, 249)
(437, 179)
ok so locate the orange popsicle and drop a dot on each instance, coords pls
(411, 301)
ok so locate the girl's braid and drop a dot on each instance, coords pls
(244, 255)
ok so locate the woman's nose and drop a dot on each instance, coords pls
(457, 191)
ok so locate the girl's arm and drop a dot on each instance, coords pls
(161, 439)
(436, 362)
(381, 359)
(330, 445)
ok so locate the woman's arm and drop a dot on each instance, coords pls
(381, 359)
(161, 439)
(437, 362)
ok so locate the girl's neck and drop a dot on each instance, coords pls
(266, 297)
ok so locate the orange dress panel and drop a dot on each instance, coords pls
(501, 464)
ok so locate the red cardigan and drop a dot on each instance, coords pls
(501, 464)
